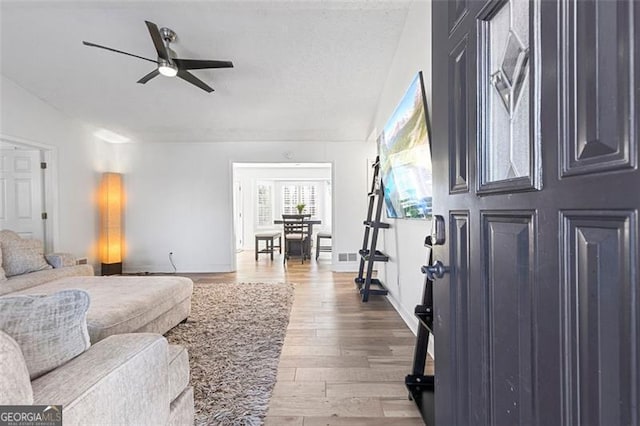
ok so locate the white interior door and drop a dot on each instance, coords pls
(21, 204)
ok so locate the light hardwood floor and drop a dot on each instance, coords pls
(343, 361)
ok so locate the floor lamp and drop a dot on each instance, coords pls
(111, 203)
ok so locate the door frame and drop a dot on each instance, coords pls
(238, 215)
(232, 163)
(49, 155)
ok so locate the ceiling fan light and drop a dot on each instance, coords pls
(168, 70)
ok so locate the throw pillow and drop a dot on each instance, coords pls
(7, 234)
(50, 330)
(60, 260)
(15, 386)
(22, 256)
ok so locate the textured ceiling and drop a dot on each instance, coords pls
(304, 70)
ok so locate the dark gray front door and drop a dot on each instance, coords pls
(535, 146)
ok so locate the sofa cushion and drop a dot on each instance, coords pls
(15, 385)
(178, 370)
(32, 279)
(182, 410)
(123, 304)
(22, 256)
(50, 330)
(121, 380)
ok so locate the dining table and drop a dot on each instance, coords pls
(310, 222)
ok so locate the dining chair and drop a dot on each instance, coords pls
(296, 232)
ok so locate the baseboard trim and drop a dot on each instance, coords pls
(187, 269)
(345, 267)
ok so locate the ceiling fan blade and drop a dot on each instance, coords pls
(187, 76)
(149, 76)
(199, 64)
(157, 40)
(86, 43)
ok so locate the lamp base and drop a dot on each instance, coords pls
(111, 268)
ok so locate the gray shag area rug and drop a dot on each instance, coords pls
(234, 336)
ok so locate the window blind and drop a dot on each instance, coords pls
(265, 205)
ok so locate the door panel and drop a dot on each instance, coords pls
(23, 199)
(459, 123)
(463, 327)
(601, 311)
(596, 74)
(537, 321)
(509, 285)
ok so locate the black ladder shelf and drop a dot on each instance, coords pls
(368, 254)
(421, 387)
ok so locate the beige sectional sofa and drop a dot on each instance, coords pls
(126, 304)
(126, 379)
(129, 374)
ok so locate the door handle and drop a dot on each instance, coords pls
(435, 271)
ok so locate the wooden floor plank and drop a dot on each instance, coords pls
(289, 350)
(286, 374)
(390, 361)
(364, 332)
(284, 421)
(401, 407)
(352, 374)
(371, 389)
(316, 361)
(345, 340)
(322, 406)
(299, 389)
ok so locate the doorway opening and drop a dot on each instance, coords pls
(263, 192)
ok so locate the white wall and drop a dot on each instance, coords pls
(180, 199)
(79, 158)
(404, 241)
(248, 177)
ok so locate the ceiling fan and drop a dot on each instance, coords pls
(167, 63)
